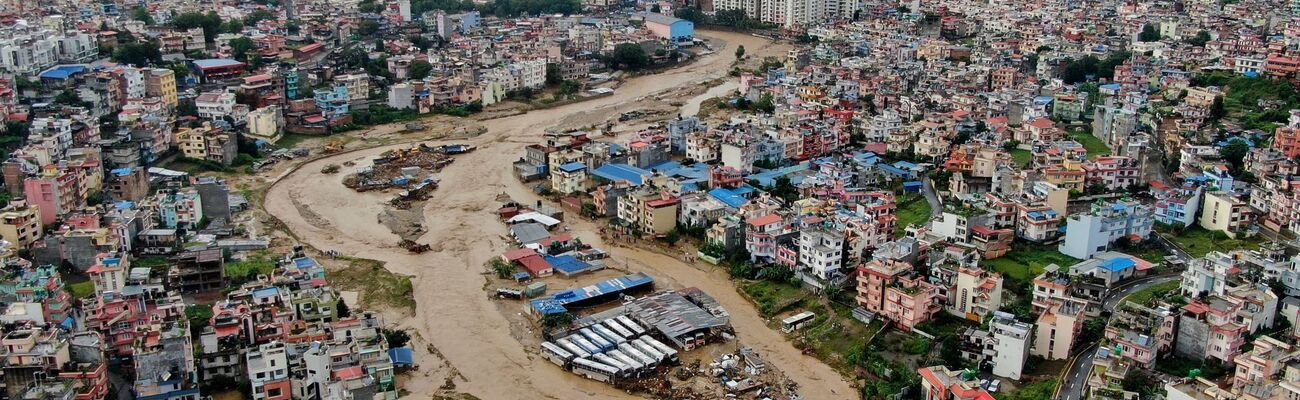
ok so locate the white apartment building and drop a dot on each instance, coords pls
(1011, 340)
(1092, 232)
(358, 86)
(215, 105)
(265, 123)
(884, 125)
(821, 253)
(268, 371)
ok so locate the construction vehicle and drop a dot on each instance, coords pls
(333, 146)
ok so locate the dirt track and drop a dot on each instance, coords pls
(453, 313)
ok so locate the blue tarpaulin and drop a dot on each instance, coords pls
(401, 356)
(622, 172)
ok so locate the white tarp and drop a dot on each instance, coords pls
(535, 217)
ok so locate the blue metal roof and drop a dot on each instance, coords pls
(123, 171)
(401, 356)
(304, 262)
(726, 196)
(568, 264)
(1118, 264)
(63, 71)
(573, 167)
(622, 172)
(768, 178)
(615, 285)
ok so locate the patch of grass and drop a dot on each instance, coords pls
(247, 270)
(1026, 261)
(1198, 241)
(82, 289)
(1043, 389)
(378, 286)
(1161, 291)
(1094, 145)
(1022, 156)
(1154, 253)
(1208, 368)
(292, 140)
(912, 209)
(155, 263)
(772, 297)
(833, 334)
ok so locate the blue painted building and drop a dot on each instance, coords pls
(676, 30)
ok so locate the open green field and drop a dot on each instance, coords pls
(1026, 261)
(1198, 241)
(1094, 145)
(912, 209)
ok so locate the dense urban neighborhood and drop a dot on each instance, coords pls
(694, 199)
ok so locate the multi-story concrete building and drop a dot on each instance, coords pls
(20, 223)
(1011, 341)
(976, 293)
(895, 291)
(1094, 231)
(1225, 212)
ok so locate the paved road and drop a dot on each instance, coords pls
(1077, 374)
(936, 207)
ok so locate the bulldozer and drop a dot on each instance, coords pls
(333, 146)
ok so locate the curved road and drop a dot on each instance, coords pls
(476, 343)
(1077, 372)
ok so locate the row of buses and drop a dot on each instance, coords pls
(610, 349)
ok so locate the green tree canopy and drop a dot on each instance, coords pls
(420, 69)
(210, 22)
(629, 56)
(1149, 34)
(139, 54)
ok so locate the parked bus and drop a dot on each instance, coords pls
(609, 334)
(585, 344)
(637, 330)
(594, 370)
(556, 354)
(623, 368)
(663, 348)
(618, 328)
(790, 324)
(636, 365)
(632, 351)
(595, 338)
(576, 350)
(649, 349)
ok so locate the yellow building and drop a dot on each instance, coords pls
(161, 83)
(20, 223)
(1224, 212)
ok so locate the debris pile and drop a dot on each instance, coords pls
(401, 167)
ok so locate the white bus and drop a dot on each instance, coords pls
(663, 348)
(649, 349)
(556, 354)
(794, 322)
(609, 334)
(618, 328)
(626, 359)
(585, 344)
(637, 330)
(632, 351)
(594, 370)
(576, 350)
(623, 369)
(595, 338)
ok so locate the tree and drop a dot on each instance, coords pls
(569, 87)
(368, 28)
(210, 22)
(1217, 109)
(259, 15)
(396, 338)
(766, 103)
(1149, 34)
(341, 309)
(740, 52)
(68, 97)
(420, 69)
(630, 56)
(656, 8)
(142, 14)
(1235, 152)
(691, 14)
(233, 26)
(1202, 37)
(557, 320)
(420, 41)
(553, 76)
(240, 46)
(502, 268)
(138, 54)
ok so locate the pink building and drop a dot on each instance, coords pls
(895, 291)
